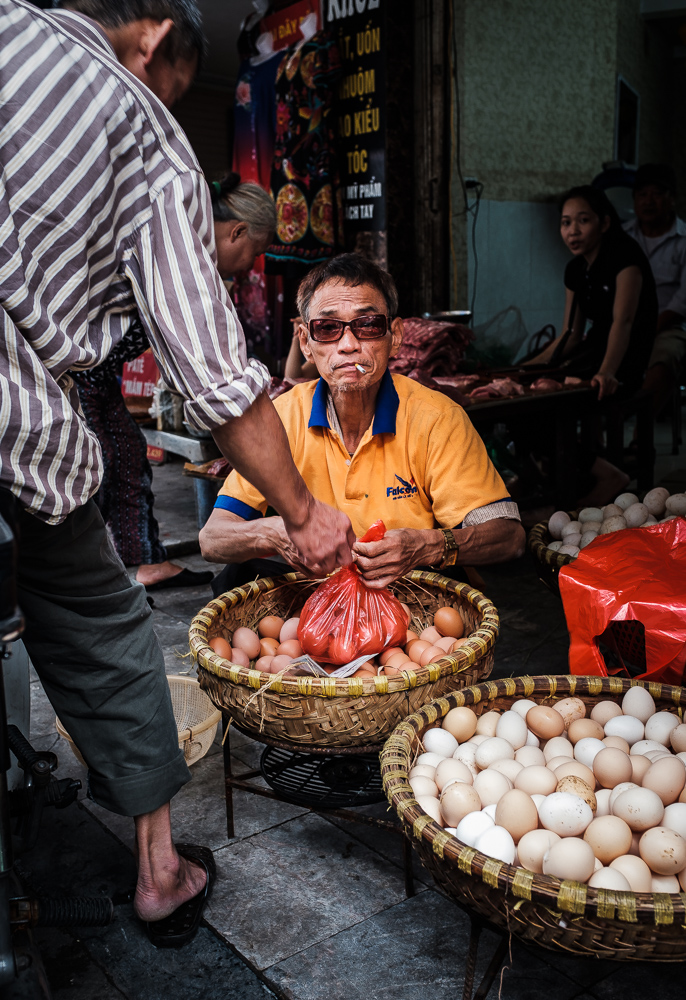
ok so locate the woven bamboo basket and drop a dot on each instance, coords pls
(560, 915)
(195, 716)
(331, 712)
(548, 563)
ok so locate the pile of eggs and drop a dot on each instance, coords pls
(600, 800)
(570, 536)
(274, 646)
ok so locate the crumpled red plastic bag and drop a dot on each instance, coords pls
(638, 574)
(344, 619)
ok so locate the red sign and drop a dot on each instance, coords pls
(139, 377)
(156, 455)
(285, 24)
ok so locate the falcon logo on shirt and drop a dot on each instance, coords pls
(404, 490)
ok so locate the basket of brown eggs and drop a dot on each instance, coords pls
(553, 807)
(245, 640)
(557, 542)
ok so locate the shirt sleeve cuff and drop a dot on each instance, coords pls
(216, 406)
(505, 508)
(243, 510)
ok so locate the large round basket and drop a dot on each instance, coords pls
(548, 563)
(563, 916)
(331, 712)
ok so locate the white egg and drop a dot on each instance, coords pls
(590, 514)
(640, 808)
(586, 750)
(497, 843)
(565, 814)
(639, 703)
(538, 800)
(636, 515)
(664, 883)
(555, 546)
(659, 727)
(431, 759)
(642, 747)
(530, 756)
(510, 768)
(522, 706)
(471, 826)
(557, 523)
(512, 727)
(490, 810)
(676, 504)
(570, 550)
(439, 741)
(609, 878)
(587, 538)
(628, 727)
(532, 740)
(655, 500)
(491, 786)
(573, 528)
(625, 500)
(602, 797)
(492, 750)
(675, 818)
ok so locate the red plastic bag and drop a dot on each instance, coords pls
(638, 574)
(344, 619)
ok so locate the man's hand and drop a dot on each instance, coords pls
(607, 384)
(322, 541)
(398, 552)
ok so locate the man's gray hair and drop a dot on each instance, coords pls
(185, 41)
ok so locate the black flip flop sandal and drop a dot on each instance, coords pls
(186, 578)
(182, 925)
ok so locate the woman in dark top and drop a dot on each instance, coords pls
(610, 314)
(610, 285)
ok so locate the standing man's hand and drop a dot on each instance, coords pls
(324, 539)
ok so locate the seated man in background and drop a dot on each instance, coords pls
(662, 237)
(372, 444)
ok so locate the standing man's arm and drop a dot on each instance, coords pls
(200, 348)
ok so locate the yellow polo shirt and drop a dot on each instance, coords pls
(421, 464)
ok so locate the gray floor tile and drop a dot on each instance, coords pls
(293, 886)
(413, 949)
(649, 980)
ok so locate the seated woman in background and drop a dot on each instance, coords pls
(244, 224)
(609, 285)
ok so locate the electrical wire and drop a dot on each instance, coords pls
(474, 212)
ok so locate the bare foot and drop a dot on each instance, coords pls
(610, 482)
(156, 572)
(165, 880)
(156, 899)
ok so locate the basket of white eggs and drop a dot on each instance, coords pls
(553, 807)
(557, 542)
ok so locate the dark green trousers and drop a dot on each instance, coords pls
(90, 637)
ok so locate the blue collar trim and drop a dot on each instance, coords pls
(387, 403)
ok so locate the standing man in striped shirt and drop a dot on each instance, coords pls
(104, 212)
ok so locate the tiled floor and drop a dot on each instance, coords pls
(305, 907)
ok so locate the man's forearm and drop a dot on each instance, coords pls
(491, 542)
(229, 539)
(257, 447)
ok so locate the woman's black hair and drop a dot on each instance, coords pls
(598, 202)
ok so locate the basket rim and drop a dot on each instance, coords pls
(477, 646)
(538, 541)
(211, 720)
(572, 897)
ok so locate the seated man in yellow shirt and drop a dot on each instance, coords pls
(372, 444)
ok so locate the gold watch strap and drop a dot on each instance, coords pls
(452, 549)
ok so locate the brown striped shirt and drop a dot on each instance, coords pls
(104, 211)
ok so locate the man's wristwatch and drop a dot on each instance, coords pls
(452, 549)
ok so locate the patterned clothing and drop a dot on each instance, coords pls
(304, 176)
(103, 210)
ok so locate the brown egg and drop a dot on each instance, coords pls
(604, 711)
(517, 812)
(291, 647)
(411, 636)
(575, 786)
(268, 647)
(365, 674)
(387, 653)
(389, 671)
(449, 621)
(577, 769)
(570, 709)
(416, 649)
(460, 723)
(612, 766)
(667, 777)
(639, 766)
(221, 647)
(246, 639)
(446, 643)
(280, 663)
(617, 742)
(430, 634)
(270, 627)
(609, 836)
(240, 657)
(677, 738)
(456, 645)
(264, 663)
(408, 613)
(289, 630)
(545, 722)
(431, 654)
(583, 728)
(487, 723)
(459, 799)
(398, 661)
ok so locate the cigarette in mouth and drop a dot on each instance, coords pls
(361, 369)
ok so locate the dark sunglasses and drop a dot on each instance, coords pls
(328, 331)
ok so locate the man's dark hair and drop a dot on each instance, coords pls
(598, 202)
(659, 174)
(352, 269)
(186, 39)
